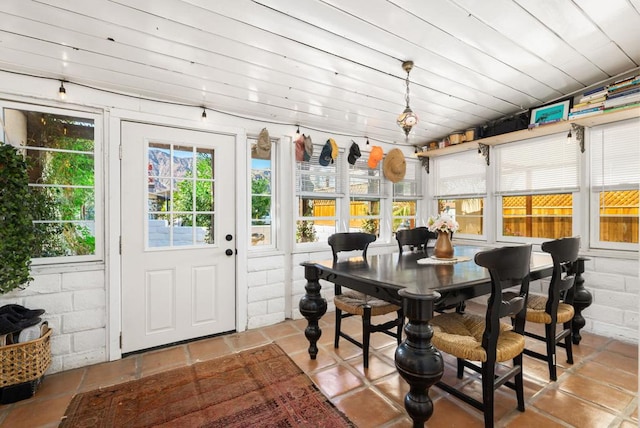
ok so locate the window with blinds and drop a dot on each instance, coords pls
(536, 181)
(405, 197)
(614, 158)
(366, 191)
(460, 189)
(318, 189)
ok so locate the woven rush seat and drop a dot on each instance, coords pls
(536, 311)
(355, 302)
(461, 335)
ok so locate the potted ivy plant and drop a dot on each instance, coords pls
(16, 233)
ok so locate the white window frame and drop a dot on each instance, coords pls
(97, 179)
(621, 141)
(546, 149)
(448, 185)
(331, 173)
(412, 178)
(356, 173)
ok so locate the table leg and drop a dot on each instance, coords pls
(417, 360)
(312, 306)
(582, 299)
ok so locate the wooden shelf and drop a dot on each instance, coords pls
(524, 134)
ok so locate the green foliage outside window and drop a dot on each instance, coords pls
(260, 205)
(16, 233)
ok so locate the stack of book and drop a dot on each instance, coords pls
(623, 93)
(592, 102)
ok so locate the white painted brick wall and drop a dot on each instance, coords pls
(266, 290)
(75, 305)
(614, 285)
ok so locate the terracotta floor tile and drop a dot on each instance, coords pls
(597, 392)
(609, 375)
(377, 367)
(38, 413)
(627, 349)
(323, 360)
(279, 330)
(395, 388)
(366, 408)
(61, 383)
(208, 349)
(164, 359)
(451, 412)
(247, 339)
(110, 373)
(572, 410)
(336, 381)
(532, 419)
(619, 361)
(293, 343)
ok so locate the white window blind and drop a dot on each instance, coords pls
(547, 164)
(410, 186)
(365, 181)
(615, 154)
(313, 178)
(461, 174)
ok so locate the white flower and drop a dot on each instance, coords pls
(442, 223)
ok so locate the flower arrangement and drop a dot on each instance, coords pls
(442, 223)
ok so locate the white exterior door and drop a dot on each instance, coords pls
(178, 235)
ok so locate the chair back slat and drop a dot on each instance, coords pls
(564, 252)
(508, 266)
(417, 237)
(350, 241)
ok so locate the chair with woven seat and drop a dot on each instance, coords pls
(416, 238)
(350, 302)
(485, 338)
(557, 306)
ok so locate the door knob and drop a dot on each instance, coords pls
(229, 252)
(228, 237)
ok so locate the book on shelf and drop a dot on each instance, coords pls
(586, 112)
(623, 107)
(623, 83)
(631, 91)
(623, 89)
(594, 90)
(586, 104)
(593, 97)
(620, 101)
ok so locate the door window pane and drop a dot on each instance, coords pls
(180, 196)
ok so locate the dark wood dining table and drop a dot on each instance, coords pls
(419, 289)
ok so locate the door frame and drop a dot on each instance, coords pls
(112, 194)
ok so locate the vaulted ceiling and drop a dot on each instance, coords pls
(330, 65)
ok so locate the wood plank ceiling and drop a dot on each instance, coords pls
(329, 65)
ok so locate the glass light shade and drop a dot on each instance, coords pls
(407, 120)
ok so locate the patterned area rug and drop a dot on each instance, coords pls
(258, 387)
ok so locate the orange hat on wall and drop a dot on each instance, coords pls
(375, 156)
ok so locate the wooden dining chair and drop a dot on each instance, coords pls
(350, 302)
(484, 338)
(416, 238)
(557, 306)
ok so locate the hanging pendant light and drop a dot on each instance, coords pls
(407, 118)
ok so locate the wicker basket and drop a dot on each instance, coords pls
(25, 362)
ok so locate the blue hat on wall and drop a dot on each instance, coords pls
(325, 155)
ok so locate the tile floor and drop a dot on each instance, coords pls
(599, 390)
